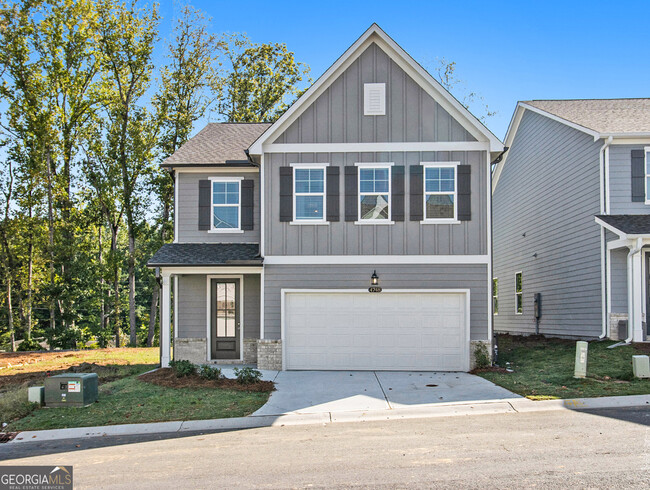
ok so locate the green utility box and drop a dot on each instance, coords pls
(71, 390)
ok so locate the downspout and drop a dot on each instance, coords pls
(630, 294)
(604, 206)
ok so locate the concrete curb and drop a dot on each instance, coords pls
(514, 405)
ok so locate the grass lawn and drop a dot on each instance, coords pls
(543, 369)
(123, 398)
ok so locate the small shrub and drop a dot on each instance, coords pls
(482, 356)
(208, 372)
(247, 375)
(182, 368)
(28, 345)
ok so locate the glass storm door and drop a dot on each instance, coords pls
(225, 319)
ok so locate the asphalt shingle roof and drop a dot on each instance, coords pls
(218, 143)
(205, 254)
(601, 115)
(630, 224)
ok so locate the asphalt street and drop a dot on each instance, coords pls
(597, 449)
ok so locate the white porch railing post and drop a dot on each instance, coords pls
(165, 327)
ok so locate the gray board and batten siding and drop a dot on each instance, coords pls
(192, 310)
(549, 191)
(336, 116)
(188, 209)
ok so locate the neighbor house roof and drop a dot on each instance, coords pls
(218, 143)
(206, 254)
(605, 116)
(628, 224)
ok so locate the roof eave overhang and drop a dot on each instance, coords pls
(621, 234)
(420, 75)
(234, 263)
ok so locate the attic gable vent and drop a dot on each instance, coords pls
(374, 99)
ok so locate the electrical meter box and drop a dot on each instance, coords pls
(71, 390)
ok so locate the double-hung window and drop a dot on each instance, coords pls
(374, 193)
(519, 300)
(440, 192)
(495, 296)
(309, 193)
(646, 152)
(226, 209)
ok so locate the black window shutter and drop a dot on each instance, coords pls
(286, 194)
(333, 212)
(204, 204)
(397, 193)
(416, 193)
(638, 176)
(464, 183)
(351, 194)
(247, 189)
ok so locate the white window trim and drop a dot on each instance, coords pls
(495, 296)
(367, 165)
(646, 150)
(313, 166)
(212, 205)
(521, 293)
(446, 221)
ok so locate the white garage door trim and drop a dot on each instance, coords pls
(284, 292)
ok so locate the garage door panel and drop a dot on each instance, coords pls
(392, 331)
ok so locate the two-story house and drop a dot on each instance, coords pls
(352, 233)
(571, 215)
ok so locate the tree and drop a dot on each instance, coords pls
(127, 35)
(446, 73)
(261, 81)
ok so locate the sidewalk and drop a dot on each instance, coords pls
(513, 406)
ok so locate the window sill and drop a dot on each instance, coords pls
(225, 231)
(440, 222)
(309, 222)
(374, 222)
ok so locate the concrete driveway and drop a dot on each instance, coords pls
(345, 391)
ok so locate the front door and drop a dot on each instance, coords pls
(225, 318)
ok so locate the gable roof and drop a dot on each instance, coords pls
(218, 144)
(605, 116)
(599, 118)
(412, 67)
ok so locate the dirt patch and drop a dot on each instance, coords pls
(491, 369)
(642, 348)
(167, 377)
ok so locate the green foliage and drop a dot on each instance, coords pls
(247, 375)
(14, 405)
(208, 372)
(482, 356)
(29, 345)
(182, 368)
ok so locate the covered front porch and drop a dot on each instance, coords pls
(628, 275)
(211, 299)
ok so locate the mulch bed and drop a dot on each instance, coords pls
(167, 377)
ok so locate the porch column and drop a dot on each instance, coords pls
(165, 327)
(637, 277)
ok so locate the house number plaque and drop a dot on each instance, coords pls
(374, 289)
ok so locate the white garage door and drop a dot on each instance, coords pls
(378, 331)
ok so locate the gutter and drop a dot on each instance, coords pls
(604, 205)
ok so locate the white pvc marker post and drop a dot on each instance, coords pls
(581, 359)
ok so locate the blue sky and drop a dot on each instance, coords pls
(506, 51)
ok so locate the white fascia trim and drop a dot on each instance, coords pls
(374, 259)
(375, 147)
(215, 170)
(407, 63)
(514, 126)
(309, 165)
(640, 135)
(210, 270)
(609, 227)
(620, 243)
(631, 141)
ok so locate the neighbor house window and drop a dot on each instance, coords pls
(374, 193)
(519, 300)
(647, 174)
(309, 193)
(225, 204)
(495, 296)
(439, 192)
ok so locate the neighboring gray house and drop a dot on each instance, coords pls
(375, 178)
(571, 215)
